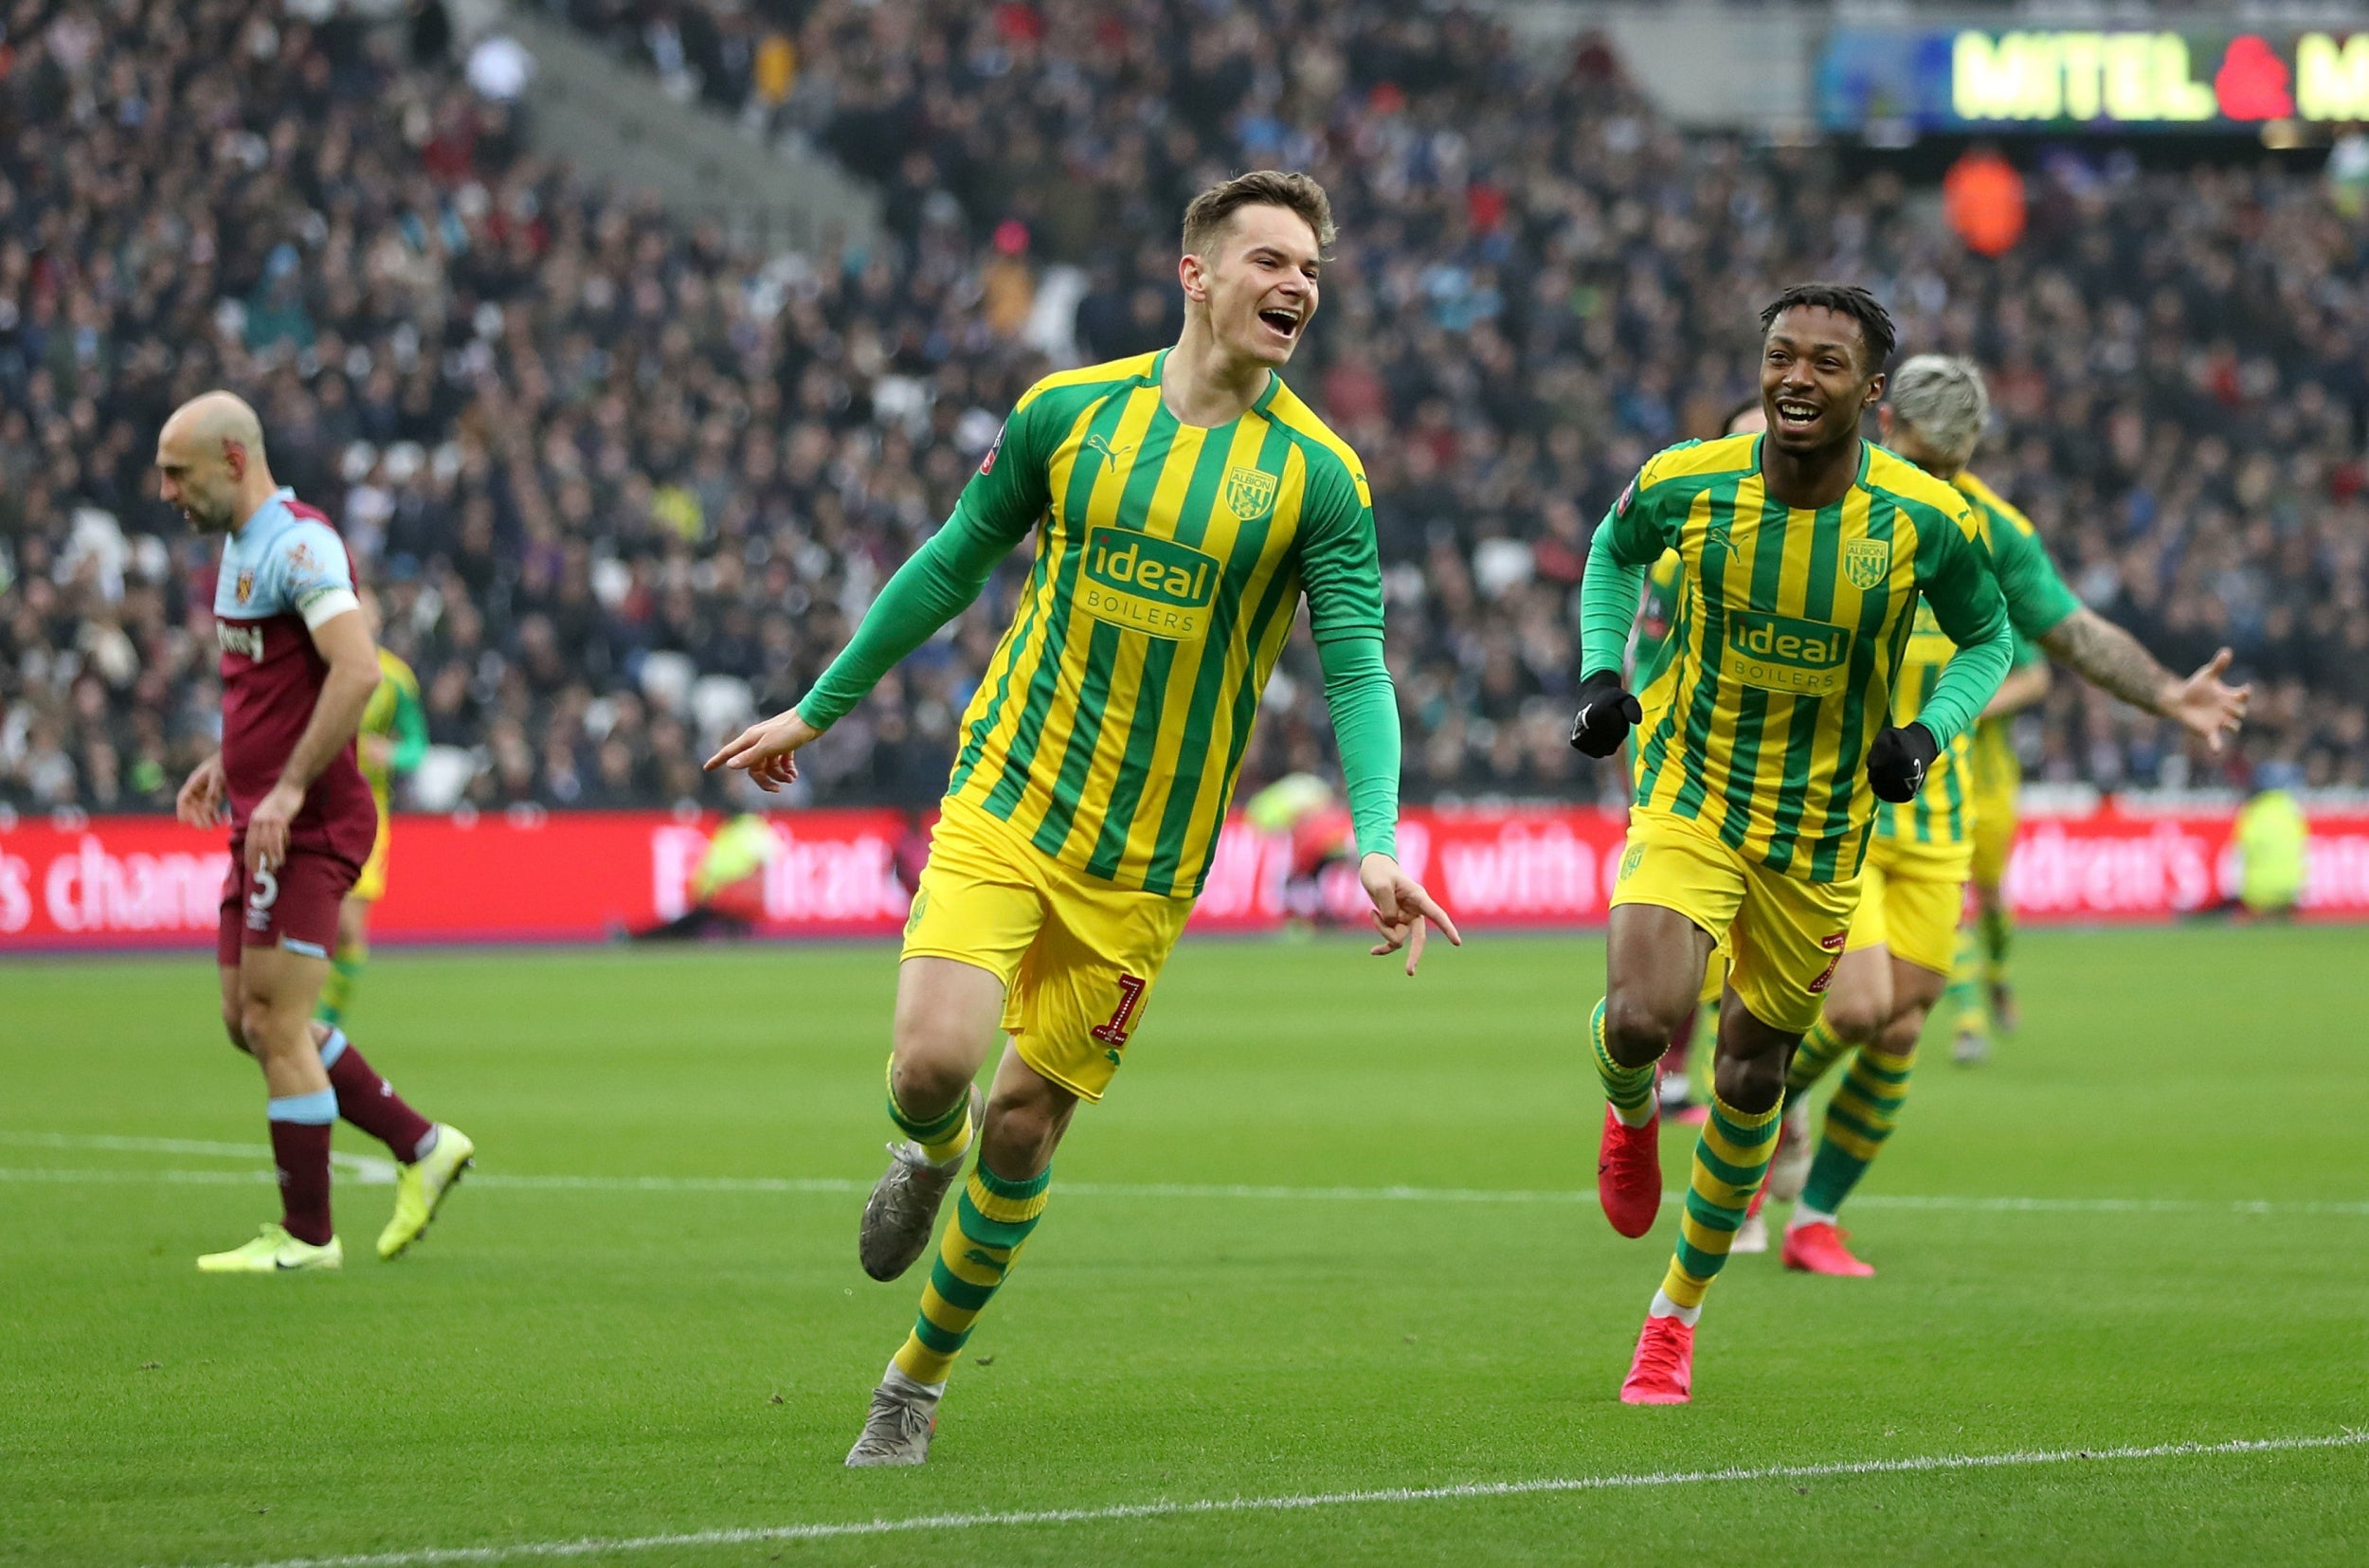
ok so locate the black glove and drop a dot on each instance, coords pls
(1897, 761)
(1606, 711)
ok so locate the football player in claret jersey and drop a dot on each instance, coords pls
(1804, 553)
(1184, 502)
(298, 667)
(1904, 934)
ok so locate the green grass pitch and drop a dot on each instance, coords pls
(601, 1360)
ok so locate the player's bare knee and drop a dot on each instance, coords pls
(1858, 1017)
(1020, 1135)
(252, 1026)
(1637, 1030)
(927, 1078)
(1751, 1084)
(1899, 1037)
(232, 1025)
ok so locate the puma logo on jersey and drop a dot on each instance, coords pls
(234, 639)
(1096, 443)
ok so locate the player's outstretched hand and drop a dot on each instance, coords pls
(267, 826)
(1896, 764)
(2207, 705)
(766, 751)
(1606, 711)
(1402, 908)
(200, 803)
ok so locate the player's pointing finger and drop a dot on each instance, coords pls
(733, 750)
(1439, 916)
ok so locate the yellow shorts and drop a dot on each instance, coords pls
(371, 885)
(1910, 898)
(1781, 935)
(1994, 834)
(1078, 957)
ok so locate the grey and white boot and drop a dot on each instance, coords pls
(897, 1430)
(902, 1212)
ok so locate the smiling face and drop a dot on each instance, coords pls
(1815, 383)
(1258, 282)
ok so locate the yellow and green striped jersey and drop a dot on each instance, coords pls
(1170, 562)
(1790, 628)
(394, 711)
(1653, 671)
(1657, 615)
(1993, 769)
(2037, 600)
(1938, 814)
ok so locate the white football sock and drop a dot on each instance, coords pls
(1664, 1308)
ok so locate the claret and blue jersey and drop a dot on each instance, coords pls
(283, 573)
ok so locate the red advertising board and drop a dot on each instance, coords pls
(71, 882)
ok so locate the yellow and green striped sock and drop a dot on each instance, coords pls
(345, 973)
(1967, 1001)
(1628, 1089)
(1818, 1051)
(991, 1220)
(1999, 935)
(1729, 1160)
(1865, 1107)
(943, 1136)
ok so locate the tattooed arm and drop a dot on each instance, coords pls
(2112, 659)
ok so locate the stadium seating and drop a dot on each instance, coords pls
(618, 482)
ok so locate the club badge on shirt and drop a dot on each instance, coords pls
(1249, 491)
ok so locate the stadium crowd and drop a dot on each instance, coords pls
(618, 483)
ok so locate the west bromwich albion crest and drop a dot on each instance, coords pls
(1867, 562)
(1249, 493)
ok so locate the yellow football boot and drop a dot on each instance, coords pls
(422, 1187)
(275, 1252)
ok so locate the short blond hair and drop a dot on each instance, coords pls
(1296, 193)
(1941, 398)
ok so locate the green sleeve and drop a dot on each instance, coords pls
(1627, 543)
(1340, 561)
(410, 729)
(2038, 599)
(1341, 571)
(2027, 652)
(1364, 708)
(997, 508)
(1954, 572)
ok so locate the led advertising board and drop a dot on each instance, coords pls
(2057, 80)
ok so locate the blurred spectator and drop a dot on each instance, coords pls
(622, 484)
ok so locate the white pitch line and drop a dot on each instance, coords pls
(379, 1172)
(432, 1557)
(372, 1170)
